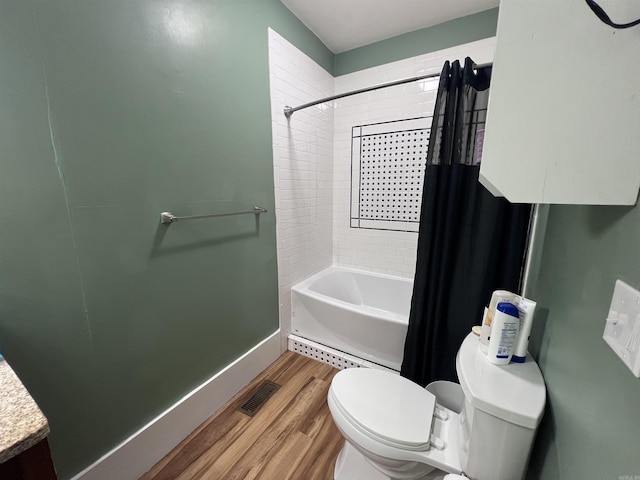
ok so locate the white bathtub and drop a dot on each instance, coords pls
(361, 313)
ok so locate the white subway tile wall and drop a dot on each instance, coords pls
(390, 252)
(302, 169)
(312, 160)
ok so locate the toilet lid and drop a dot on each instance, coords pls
(385, 405)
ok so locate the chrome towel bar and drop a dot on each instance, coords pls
(168, 217)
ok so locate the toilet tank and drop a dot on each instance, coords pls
(503, 407)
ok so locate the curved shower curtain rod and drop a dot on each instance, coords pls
(288, 111)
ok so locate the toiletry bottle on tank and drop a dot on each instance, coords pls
(504, 333)
(496, 297)
(527, 309)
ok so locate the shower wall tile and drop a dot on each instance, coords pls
(389, 252)
(312, 161)
(303, 169)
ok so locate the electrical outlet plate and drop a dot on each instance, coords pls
(622, 327)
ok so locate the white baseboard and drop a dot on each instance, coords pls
(151, 443)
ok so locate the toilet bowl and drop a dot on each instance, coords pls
(395, 429)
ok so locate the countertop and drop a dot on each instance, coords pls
(22, 424)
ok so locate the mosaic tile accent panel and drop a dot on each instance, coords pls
(388, 162)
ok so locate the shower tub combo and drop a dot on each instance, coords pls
(360, 313)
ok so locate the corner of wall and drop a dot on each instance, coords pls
(303, 169)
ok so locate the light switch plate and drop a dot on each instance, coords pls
(622, 327)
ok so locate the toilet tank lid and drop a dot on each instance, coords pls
(515, 392)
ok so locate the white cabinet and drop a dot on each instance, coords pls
(563, 122)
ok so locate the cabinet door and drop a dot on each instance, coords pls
(563, 123)
(32, 464)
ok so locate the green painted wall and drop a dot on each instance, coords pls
(591, 429)
(449, 34)
(111, 112)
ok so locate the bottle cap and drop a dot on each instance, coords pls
(508, 309)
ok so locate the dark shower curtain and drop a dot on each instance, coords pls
(470, 243)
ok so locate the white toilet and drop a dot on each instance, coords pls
(397, 430)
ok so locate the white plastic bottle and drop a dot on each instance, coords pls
(504, 333)
(496, 297)
(527, 309)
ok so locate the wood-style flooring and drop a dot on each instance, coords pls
(292, 437)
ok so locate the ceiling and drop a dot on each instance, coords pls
(346, 24)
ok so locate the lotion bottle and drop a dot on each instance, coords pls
(497, 297)
(504, 333)
(527, 308)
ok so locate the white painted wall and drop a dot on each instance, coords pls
(312, 160)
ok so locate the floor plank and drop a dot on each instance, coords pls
(291, 437)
